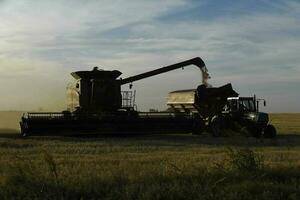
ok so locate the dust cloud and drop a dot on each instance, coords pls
(9, 121)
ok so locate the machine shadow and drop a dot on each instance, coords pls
(291, 140)
(283, 140)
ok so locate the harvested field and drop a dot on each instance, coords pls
(151, 166)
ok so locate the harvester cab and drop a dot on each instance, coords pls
(97, 91)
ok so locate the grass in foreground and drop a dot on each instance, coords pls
(241, 174)
(152, 166)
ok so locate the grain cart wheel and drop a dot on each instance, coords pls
(198, 127)
(216, 126)
(270, 131)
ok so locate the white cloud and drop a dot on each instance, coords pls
(60, 36)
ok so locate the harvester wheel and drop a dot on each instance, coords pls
(270, 131)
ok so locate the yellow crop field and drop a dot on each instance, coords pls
(286, 123)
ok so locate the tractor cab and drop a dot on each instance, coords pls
(241, 104)
(245, 110)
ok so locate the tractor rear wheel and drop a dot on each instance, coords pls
(256, 131)
(270, 131)
(245, 131)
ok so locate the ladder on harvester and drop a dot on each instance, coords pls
(128, 99)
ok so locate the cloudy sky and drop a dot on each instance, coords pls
(254, 44)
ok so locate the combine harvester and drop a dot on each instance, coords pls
(96, 104)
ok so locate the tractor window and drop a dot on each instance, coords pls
(232, 105)
(251, 106)
(243, 105)
(247, 105)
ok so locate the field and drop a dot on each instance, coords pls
(150, 166)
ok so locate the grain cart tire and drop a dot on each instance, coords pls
(270, 131)
(198, 127)
(216, 126)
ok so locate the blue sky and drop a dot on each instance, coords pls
(253, 44)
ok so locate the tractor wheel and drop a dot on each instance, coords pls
(256, 131)
(244, 130)
(216, 126)
(270, 131)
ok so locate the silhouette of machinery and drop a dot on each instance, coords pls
(96, 104)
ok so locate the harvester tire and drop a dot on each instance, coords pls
(270, 131)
